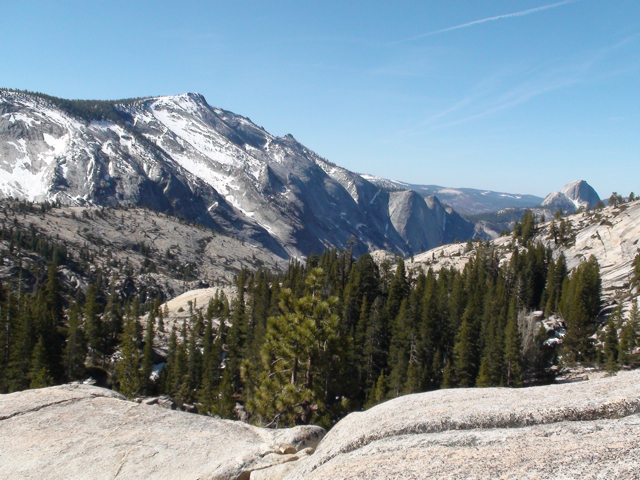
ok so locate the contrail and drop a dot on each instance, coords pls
(491, 19)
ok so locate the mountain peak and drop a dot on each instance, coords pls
(573, 195)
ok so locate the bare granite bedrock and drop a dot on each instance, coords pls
(580, 430)
(85, 432)
(587, 429)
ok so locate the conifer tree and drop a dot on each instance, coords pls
(464, 366)
(76, 348)
(39, 374)
(167, 376)
(296, 358)
(161, 317)
(580, 305)
(433, 377)
(448, 380)
(209, 384)
(611, 344)
(379, 392)
(629, 336)
(398, 291)
(376, 341)
(412, 383)
(24, 339)
(225, 402)
(512, 355)
(112, 325)
(128, 368)
(237, 336)
(147, 355)
(93, 326)
(8, 334)
(399, 350)
(50, 322)
(194, 368)
(552, 295)
(181, 381)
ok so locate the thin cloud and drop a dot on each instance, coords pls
(491, 97)
(489, 19)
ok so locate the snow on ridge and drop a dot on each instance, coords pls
(340, 175)
(450, 191)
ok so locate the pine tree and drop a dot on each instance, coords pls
(464, 366)
(580, 306)
(194, 366)
(112, 325)
(50, 323)
(24, 338)
(399, 351)
(375, 346)
(226, 402)
(39, 374)
(297, 358)
(167, 377)
(147, 355)
(128, 368)
(448, 380)
(484, 377)
(93, 326)
(552, 295)
(161, 317)
(76, 348)
(398, 291)
(210, 363)
(611, 342)
(237, 336)
(512, 355)
(181, 381)
(412, 383)
(629, 337)
(379, 392)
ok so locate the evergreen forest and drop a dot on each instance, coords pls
(322, 339)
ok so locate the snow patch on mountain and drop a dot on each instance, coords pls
(179, 154)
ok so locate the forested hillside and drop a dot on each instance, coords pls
(334, 335)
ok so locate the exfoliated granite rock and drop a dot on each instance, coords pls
(580, 430)
(85, 432)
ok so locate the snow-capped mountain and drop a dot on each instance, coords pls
(178, 154)
(572, 196)
(463, 200)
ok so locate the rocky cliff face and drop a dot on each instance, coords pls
(425, 223)
(572, 196)
(180, 155)
(464, 200)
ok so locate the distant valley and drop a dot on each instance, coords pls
(463, 200)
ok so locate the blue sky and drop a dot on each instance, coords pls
(516, 96)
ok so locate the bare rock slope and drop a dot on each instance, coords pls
(180, 155)
(84, 432)
(611, 235)
(587, 429)
(579, 430)
(572, 196)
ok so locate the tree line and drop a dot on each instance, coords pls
(335, 335)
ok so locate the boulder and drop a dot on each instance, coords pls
(86, 432)
(579, 430)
